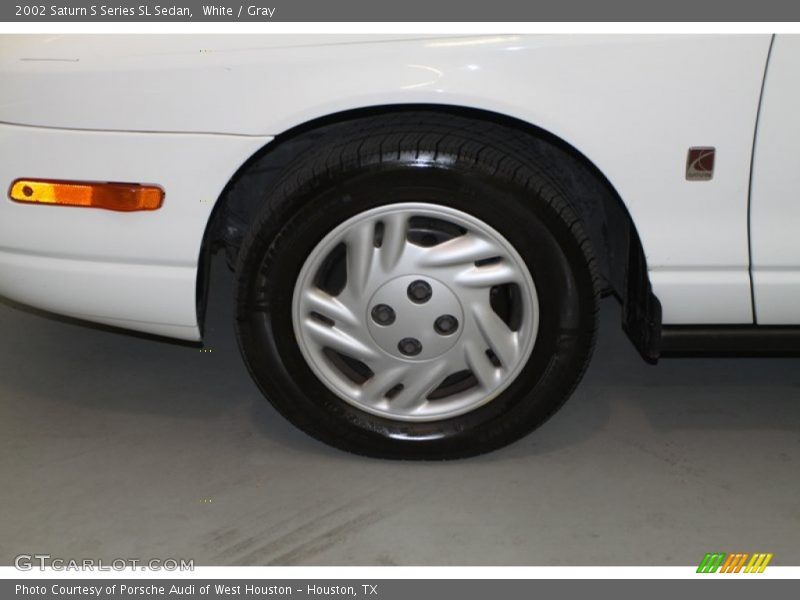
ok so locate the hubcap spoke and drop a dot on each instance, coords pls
(460, 250)
(419, 382)
(485, 372)
(336, 339)
(501, 340)
(374, 390)
(360, 251)
(395, 230)
(322, 303)
(487, 275)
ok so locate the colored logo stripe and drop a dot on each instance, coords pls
(711, 562)
(734, 562)
(758, 563)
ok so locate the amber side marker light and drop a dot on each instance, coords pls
(126, 197)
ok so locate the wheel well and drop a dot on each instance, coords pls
(613, 234)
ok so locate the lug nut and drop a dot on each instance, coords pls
(419, 291)
(445, 325)
(383, 314)
(409, 346)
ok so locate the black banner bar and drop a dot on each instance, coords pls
(404, 11)
(730, 588)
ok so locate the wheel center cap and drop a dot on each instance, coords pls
(415, 317)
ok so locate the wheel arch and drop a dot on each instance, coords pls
(613, 233)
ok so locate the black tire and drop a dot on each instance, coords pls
(482, 169)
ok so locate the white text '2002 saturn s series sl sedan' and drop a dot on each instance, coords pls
(421, 227)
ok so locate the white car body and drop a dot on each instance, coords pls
(186, 112)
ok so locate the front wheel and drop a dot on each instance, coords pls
(411, 292)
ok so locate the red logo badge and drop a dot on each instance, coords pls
(700, 164)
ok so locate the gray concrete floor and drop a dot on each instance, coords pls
(113, 445)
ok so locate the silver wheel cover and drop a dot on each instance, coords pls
(392, 363)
